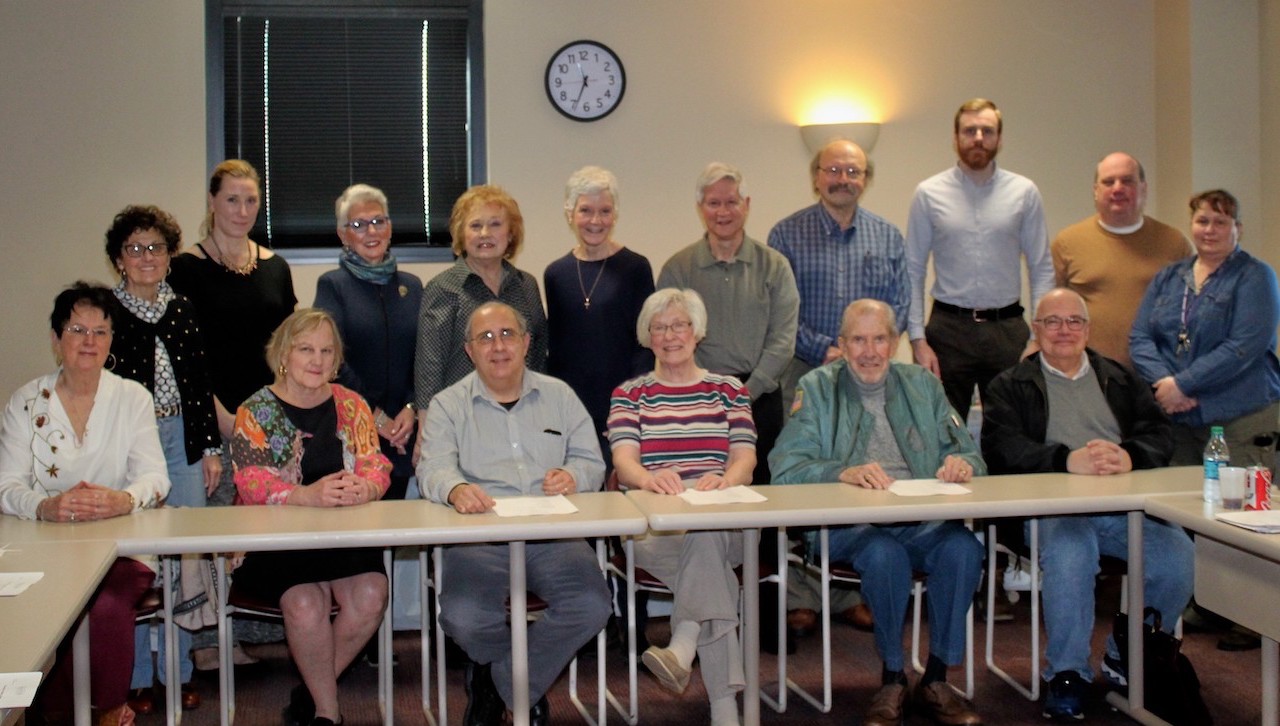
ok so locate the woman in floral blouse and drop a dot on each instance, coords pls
(305, 441)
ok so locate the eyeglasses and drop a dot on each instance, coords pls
(489, 337)
(1053, 322)
(680, 327)
(155, 249)
(852, 172)
(362, 226)
(82, 332)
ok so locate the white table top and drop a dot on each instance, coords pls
(170, 531)
(33, 624)
(1016, 495)
(1188, 510)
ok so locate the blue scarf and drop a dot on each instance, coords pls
(379, 274)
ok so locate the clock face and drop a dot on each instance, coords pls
(585, 80)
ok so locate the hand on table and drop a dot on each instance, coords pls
(955, 470)
(470, 499)
(85, 502)
(558, 481)
(867, 476)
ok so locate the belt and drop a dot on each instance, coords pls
(168, 411)
(981, 316)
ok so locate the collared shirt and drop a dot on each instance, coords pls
(976, 234)
(1085, 368)
(834, 267)
(447, 303)
(752, 306)
(471, 438)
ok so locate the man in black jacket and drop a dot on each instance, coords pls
(1069, 409)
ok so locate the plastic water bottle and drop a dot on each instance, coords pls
(1215, 455)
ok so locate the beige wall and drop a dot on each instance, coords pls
(103, 105)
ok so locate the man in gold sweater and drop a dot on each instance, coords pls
(1110, 257)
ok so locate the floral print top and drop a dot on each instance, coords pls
(266, 448)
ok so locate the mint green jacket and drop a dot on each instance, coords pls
(829, 429)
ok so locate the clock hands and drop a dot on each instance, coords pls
(580, 90)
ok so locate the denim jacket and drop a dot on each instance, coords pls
(1229, 364)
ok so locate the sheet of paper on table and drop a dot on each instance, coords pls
(729, 495)
(13, 583)
(17, 689)
(926, 488)
(1265, 521)
(529, 506)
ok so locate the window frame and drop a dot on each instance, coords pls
(215, 108)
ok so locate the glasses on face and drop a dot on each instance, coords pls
(1074, 323)
(834, 172)
(362, 226)
(489, 337)
(680, 327)
(82, 332)
(155, 249)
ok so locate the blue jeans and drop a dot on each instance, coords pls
(885, 556)
(473, 611)
(186, 489)
(1069, 550)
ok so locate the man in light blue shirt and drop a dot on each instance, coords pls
(978, 221)
(504, 430)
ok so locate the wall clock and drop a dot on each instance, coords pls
(585, 80)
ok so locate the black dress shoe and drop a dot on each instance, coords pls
(484, 706)
(540, 714)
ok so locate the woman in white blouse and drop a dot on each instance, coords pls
(77, 445)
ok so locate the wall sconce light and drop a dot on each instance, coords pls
(864, 134)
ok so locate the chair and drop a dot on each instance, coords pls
(152, 607)
(232, 602)
(533, 605)
(827, 574)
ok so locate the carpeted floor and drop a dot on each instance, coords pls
(1230, 682)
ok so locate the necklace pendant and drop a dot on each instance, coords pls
(586, 303)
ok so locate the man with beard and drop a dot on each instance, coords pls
(976, 220)
(1110, 257)
(839, 252)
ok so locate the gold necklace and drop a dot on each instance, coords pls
(249, 266)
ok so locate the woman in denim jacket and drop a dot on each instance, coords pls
(1205, 339)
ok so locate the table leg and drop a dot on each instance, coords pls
(1133, 706)
(173, 711)
(80, 671)
(519, 636)
(751, 624)
(1270, 676)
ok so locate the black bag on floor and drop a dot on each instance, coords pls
(1171, 688)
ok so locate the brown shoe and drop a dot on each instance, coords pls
(190, 697)
(886, 706)
(802, 620)
(859, 616)
(945, 706)
(142, 700)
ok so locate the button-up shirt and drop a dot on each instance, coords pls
(752, 304)
(471, 438)
(834, 267)
(977, 234)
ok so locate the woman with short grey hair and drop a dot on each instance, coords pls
(594, 294)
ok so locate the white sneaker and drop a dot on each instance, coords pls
(1017, 579)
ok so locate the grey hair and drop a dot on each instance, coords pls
(869, 306)
(589, 180)
(355, 194)
(715, 172)
(1084, 306)
(666, 298)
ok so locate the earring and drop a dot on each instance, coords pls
(281, 371)
(111, 361)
